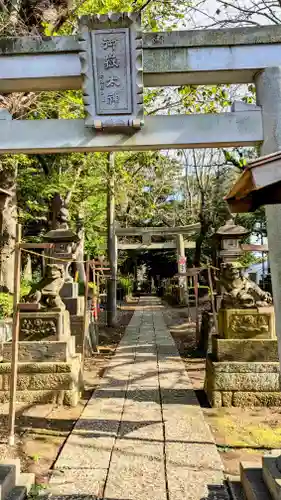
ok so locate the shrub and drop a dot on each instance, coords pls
(25, 288)
(126, 284)
(6, 305)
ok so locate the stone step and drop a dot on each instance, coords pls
(13, 484)
(235, 488)
(254, 487)
(26, 481)
(17, 493)
(272, 475)
(23, 487)
(7, 479)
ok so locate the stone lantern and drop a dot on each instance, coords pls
(229, 237)
(64, 251)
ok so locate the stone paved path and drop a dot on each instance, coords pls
(142, 435)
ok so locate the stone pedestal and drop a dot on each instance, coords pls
(242, 368)
(57, 382)
(73, 302)
(230, 383)
(247, 323)
(44, 324)
(49, 370)
(70, 289)
(41, 351)
(244, 350)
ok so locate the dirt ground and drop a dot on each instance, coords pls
(41, 430)
(241, 434)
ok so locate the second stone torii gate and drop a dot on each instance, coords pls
(146, 233)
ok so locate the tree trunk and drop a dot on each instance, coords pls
(8, 177)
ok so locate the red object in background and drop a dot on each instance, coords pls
(95, 310)
(182, 261)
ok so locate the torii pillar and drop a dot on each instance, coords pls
(181, 260)
(268, 85)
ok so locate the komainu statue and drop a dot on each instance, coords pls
(47, 291)
(239, 292)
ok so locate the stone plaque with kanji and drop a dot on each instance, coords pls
(111, 62)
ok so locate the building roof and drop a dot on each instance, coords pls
(259, 184)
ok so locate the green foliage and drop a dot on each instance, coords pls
(37, 489)
(237, 160)
(206, 99)
(249, 258)
(25, 288)
(94, 288)
(6, 305)
(126, 284)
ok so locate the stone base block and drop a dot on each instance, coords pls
(217, 399)
(252, 481)
(242, 383)
(75, 306)
(76, 325)
(44, 351)
(247, 323)
(44, 381)
(44, 324)
(70, 290)
(244, 349)
(272, 476)
(59, 397)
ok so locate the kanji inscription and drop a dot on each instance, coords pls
(112, 70)
(111, 64)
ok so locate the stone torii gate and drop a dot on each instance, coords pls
(115, 122)
(241, 55)
(146, 233)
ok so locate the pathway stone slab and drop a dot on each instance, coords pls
(135, 477)
(78, 482)
(143, 434)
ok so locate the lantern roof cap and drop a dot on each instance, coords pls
(61, 236)
(232, 230)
